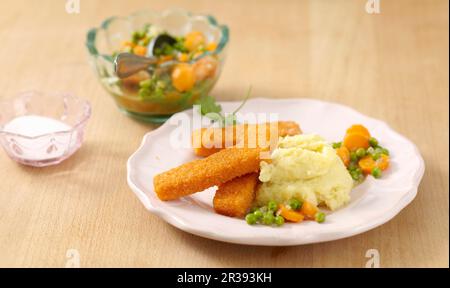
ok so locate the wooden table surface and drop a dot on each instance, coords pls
(392, 66)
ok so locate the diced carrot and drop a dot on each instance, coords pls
(383, 162)
(164, 58)
(183, 57)
(211, 46)
(290, 215)
(309, 210)
(344, 154)
(140, 50)
(127, 44)
(359, 129)
(367, 164)
(354, 141)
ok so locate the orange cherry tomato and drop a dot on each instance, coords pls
(205, 68)
(183, 77)
(193, 40)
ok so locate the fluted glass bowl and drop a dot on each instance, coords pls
(42, 129)
(104, 41)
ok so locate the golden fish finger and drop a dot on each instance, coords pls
(207, 141)
(234, 198)
(201, 174)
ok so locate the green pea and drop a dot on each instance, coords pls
(254, 209)
(263, 209)
(279, 220)
(272, 205)
(361, 152)
(251, 219)
(373, 142)
(336, 145)
(135, 37)
(142, 33)
(370, 150)
(295, 204)
(320, 217)
(144, 93)
(258, 214)
(161, 84)
(145, 84)
(379, 150)
(376, 172)
(179, 45)
(355, 175)
(376, 156)
(352, 166)
(268, 218)
(159, 93)
(353, 156)
(128, 49)
(144, 42)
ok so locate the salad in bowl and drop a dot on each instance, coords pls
(185, 71)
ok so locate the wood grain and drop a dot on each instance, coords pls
(393, 66)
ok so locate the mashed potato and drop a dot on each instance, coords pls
(307, 168)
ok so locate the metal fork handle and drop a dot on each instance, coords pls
(127, 64)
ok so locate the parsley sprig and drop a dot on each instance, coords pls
(212, 110)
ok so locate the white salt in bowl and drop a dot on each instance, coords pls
(41, 129)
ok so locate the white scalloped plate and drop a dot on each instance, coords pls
(372, 203)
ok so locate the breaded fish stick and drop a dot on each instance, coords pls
(234, 198)
(201, 174)
(207, 141)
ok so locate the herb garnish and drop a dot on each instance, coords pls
(209, 108)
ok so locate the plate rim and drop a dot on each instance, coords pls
(404, 201)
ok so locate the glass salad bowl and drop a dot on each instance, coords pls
(186, 70)
(42, 129)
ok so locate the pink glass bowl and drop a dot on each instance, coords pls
(50, 148)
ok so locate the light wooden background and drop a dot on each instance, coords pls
(393, 66)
